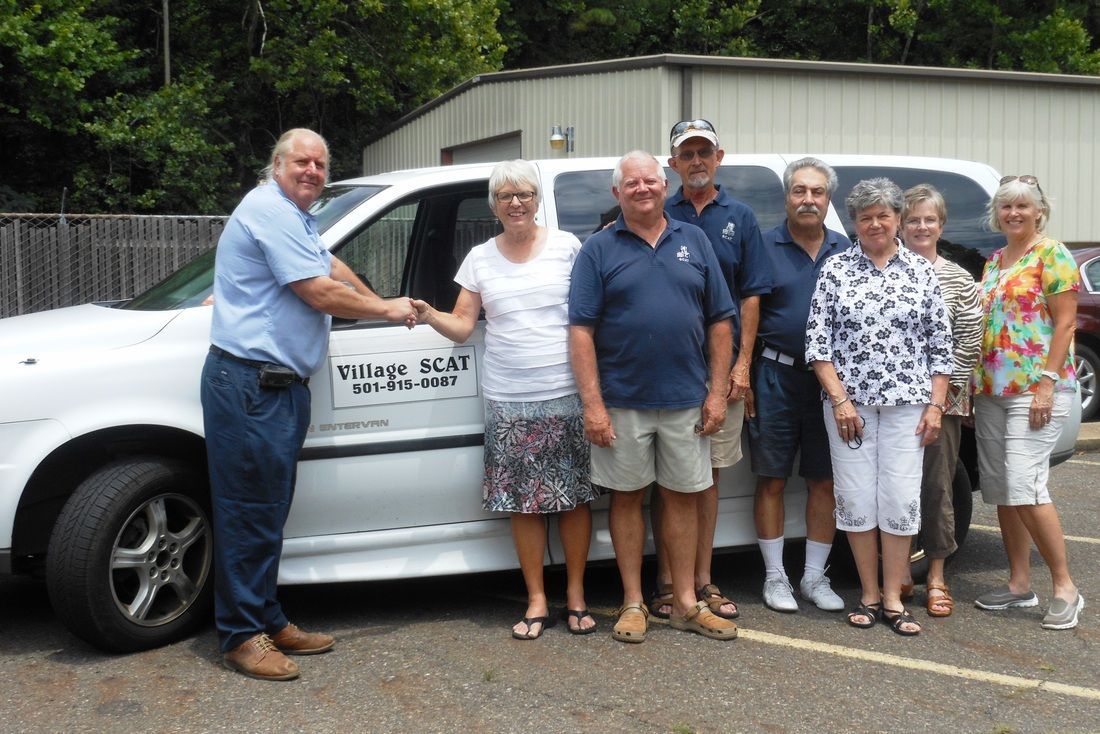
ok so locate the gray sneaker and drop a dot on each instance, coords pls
(816, 588)
(1062, 614)
(779, 595)
(1003, 598)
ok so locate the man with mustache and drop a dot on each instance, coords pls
(788, 413)
(735, 236)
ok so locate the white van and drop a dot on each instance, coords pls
(102, 460)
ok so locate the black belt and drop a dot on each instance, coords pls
(257, 364)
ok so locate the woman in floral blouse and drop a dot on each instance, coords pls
(880, 342)
(1024, 385)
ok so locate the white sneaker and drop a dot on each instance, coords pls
(816, 588)
(779, 596)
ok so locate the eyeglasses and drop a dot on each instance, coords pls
(689, 155)
(685, 125)
(1027, 178)
(857, 439)
(505, 197)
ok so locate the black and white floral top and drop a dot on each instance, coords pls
(885, 331)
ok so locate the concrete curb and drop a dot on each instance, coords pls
(1088, 439)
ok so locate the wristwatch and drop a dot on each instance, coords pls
(1051, 374)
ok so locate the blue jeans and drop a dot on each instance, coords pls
(253, 436)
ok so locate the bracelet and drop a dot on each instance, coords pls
(840, 403)
(941, 406)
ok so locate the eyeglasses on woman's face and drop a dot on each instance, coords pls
(505, 197)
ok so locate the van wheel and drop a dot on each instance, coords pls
(129, 565)
(962, 498)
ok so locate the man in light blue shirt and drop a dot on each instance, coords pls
(276, 288)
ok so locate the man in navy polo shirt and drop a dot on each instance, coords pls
(276, 288)
(731, 227)
(649, 316)
(788, 396)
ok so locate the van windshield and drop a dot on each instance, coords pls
(194, 282)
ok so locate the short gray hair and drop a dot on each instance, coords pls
(283, 145)
(1017, 189)
(518, 173)
(635, 155)
(875, 192)
(818, 165)
(922, 193)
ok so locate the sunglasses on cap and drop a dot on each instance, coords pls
(686, 125)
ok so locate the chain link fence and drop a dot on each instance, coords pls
(52, 260)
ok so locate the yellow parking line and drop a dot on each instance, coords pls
(1011, 681)
(927, 666)
(1076, 538)
(1082, 461)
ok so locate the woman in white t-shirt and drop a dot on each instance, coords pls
(536, 455)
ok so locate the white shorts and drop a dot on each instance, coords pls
(654, 445)
(725, 445)
(877, 482)
(1013, 459)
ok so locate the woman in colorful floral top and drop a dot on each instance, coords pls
(1024, 385)
(880, 342)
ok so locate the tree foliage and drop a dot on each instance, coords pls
(83, 104)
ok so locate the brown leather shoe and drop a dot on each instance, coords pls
(293, 641)
(258, 658)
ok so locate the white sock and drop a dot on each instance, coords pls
(772, 551)
(816, 556)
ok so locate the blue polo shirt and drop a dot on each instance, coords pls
(784, 311)
(650, 307)
(267, 244)
(731, 227)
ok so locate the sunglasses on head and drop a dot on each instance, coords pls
(685, 125)
(1027, 178)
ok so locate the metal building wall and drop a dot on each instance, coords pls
(1046, 129)
(1019, 123)
(611, 113)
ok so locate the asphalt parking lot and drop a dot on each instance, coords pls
(435, 656)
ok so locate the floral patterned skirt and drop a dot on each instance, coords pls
(536, 456)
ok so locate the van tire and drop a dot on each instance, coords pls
(130, 560)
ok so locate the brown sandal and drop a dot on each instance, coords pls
(660, 604)
(632, 623)
(715, 601)
(944, 602)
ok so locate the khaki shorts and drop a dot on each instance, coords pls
(654, 446)
(725, 445)
(1013, 459)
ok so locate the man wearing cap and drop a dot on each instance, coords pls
(649, 323)
(731, 227)
(276, 288)
(788, 418)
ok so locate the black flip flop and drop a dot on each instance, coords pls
(530, 621)
(579, 615)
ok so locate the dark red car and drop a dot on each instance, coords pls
(1088, 329)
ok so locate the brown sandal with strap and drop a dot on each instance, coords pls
(660, 604)
(632, 623)
(715, 601)
(944, 602)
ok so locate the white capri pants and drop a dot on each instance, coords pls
(877, 482)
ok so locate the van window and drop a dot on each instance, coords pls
(966, 238)
(585, 203)
(415, 247)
